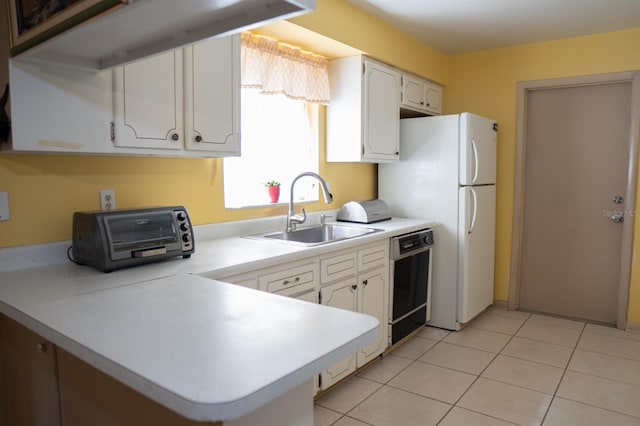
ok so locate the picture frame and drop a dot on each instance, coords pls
(34, 21)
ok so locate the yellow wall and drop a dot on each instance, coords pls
(340, 21)
(45, 190)
(485, 83)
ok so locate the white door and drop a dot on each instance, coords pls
(372, 301)
(212, 95)
(339, 295)
(476, 239)
(381, 105)
(577, 161)
(478, 142)
(148, 103)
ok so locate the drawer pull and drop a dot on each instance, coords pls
(285, 282)
(354, 286)
(365, 282)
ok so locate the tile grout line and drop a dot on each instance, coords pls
(387, 382)
(573, 348)
(564, 372)
(455, 404)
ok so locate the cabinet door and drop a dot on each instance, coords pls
(413, 92)
(212, 95)
(29, 378)
(372, 300)
(339, 295)
(381, 113)
(148, 100)
(433, 98)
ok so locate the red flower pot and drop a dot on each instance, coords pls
(274, 193)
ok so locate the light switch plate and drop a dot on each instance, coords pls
(4, 206)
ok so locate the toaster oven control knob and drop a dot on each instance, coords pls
(185, 238)
(184, 227)
(181, 216)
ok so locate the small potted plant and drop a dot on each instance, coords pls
(273, 187)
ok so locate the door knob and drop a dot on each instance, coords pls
(618, 199)
(617, 218)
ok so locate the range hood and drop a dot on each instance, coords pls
(140, 28)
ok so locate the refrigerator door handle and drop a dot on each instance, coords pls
(475, 210)
(474, 148)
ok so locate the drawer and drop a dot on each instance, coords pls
(373, 257)
(277, 281)
(337, 267)
(306, 292)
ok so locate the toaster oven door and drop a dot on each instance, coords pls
(142, 234)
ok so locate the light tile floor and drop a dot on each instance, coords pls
(504, 368)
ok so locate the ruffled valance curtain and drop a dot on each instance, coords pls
(276, 68)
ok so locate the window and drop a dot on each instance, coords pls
(278, 143)
(281, 87)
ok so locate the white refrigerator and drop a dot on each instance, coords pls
(447, 174)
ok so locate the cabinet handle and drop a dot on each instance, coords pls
(42, 347)
(355, 286)
(296, 279)
(397, 153)
(365, 282)
(198, 138)
(175, 137)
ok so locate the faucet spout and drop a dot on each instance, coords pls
(292, 218)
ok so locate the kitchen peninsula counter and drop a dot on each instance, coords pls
(207, 350)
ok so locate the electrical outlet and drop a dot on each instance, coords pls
(107, 199)
(4, 206)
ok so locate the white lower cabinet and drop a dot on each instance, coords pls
(356, 279)
(366, 291)
(373, 290)
(343, 295)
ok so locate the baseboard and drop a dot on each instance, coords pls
(633, 326)
(500, 303)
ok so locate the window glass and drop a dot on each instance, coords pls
(277, 144)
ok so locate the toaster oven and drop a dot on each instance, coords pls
(109, 240)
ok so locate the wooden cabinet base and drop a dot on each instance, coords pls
(29, 387)
(90, 397)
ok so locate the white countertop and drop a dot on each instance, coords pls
(205, 349)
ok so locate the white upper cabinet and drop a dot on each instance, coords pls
(212, 96)
(187, 99)
(421, 95)
(184, 103)
(363, 117)
(148, 103)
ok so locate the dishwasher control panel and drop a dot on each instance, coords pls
(407, 244)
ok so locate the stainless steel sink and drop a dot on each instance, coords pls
(316, 235)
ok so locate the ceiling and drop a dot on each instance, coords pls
(460, 26)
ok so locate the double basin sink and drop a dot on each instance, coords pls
(316, 235)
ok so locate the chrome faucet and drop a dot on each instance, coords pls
(292, 218)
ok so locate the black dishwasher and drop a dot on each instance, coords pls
(411, 283)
